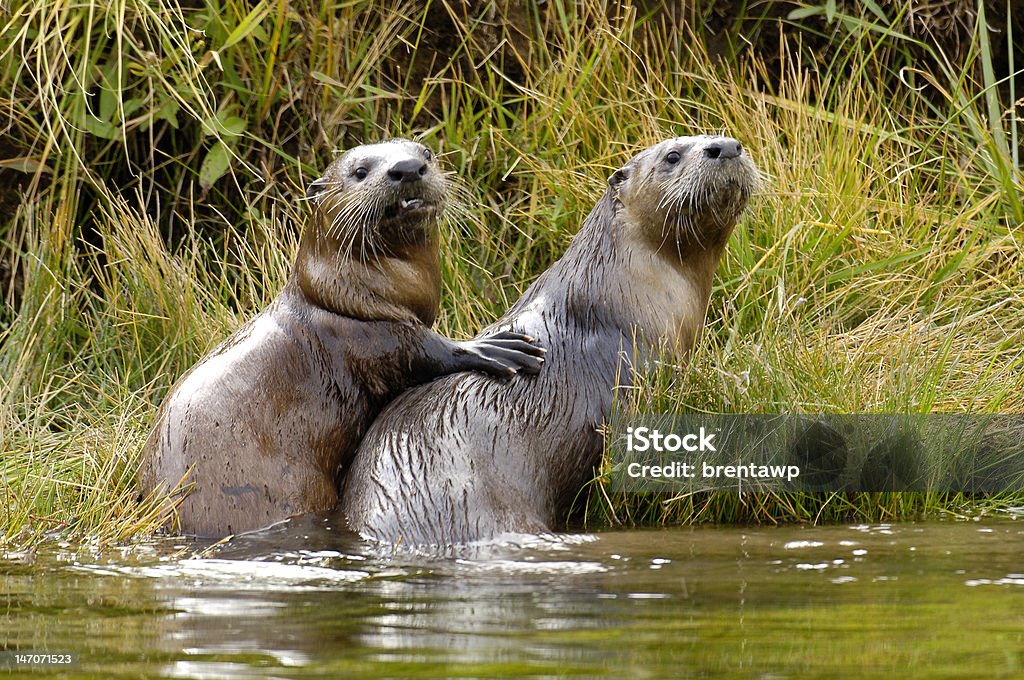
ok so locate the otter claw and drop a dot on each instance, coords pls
(511, 335)
(507, 353)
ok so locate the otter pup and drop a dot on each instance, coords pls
(466, 458)
(265, 426)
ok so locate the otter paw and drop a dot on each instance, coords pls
(507, 353)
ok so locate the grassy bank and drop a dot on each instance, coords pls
(156, 155)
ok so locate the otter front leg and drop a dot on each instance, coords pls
(503, 355)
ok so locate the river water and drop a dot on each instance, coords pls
(943, 600)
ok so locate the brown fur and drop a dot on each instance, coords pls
(265, 425)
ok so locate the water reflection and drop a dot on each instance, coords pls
(302, 599)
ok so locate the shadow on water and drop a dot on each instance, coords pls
(302, 599)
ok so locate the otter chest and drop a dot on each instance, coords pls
(669, 305)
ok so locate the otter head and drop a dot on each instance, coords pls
(371, 248)
(674, 206)
(379, 199)
(686, 193)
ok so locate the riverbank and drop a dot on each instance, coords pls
(154, 177)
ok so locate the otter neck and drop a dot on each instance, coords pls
(401, 285)
(645, 283)
(672, 306)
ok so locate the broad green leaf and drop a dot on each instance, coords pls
(233, 125)
(101, 128)
(216, 163)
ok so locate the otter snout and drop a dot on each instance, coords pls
(723, 147)
(408, 170)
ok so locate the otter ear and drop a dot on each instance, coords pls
(315, 188)
(619, 176)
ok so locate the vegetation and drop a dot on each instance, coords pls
(154, 156)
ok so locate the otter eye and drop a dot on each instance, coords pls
(672, 157)
(361, 173)
(427, 155)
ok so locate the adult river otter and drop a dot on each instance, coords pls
(467, 458)
(261, 428)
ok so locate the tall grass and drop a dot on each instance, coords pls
(165, 147)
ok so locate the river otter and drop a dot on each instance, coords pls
(265, 425)
(466, 458)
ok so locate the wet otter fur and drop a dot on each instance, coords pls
(264, 427)
(467, 458)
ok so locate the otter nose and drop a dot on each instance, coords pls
(409, 170)
(723, 148)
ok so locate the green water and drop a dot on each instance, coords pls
(941, 600)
